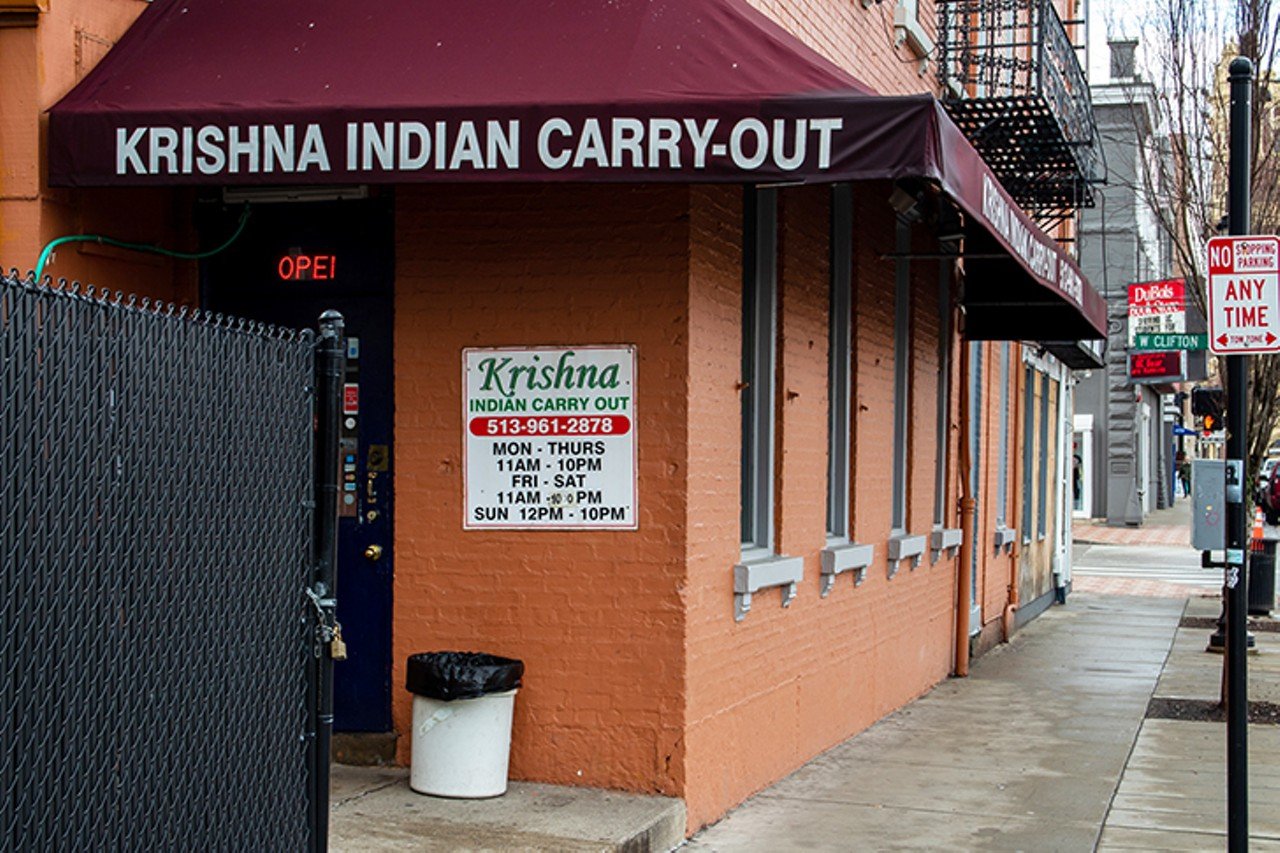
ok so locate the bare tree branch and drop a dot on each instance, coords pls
(1183, 158)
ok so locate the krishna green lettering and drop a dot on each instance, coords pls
(506, 378)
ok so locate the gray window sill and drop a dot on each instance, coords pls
(841, 556)
(946, 539)
(752, 575)
(903, 546)
(1003, 538)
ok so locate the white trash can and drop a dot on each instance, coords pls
(462, 748)
(463, 704)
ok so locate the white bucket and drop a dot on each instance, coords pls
(461, 748)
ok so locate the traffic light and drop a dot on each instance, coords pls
(1208, 404)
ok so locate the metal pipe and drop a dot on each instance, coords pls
(330, 364)
(1241, 75)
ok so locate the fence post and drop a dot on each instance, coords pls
(330, 364)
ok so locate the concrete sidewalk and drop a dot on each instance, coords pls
(1046, 746)
(1170, 526)
(1172, 794)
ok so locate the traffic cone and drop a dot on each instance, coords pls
(1256, 544)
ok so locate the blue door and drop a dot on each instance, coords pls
(293, 261)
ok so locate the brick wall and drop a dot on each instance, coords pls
(596, 616)
(858, 38)
(38, 66)
(772, 691)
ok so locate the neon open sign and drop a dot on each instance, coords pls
(307, 267)
(1155, 365)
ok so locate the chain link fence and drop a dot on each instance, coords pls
(156, 490)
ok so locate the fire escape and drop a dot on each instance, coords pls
(1013, 84)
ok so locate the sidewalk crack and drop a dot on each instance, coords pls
(360, 795)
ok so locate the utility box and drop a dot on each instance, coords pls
(1208, 504)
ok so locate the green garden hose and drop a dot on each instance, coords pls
(137, 247)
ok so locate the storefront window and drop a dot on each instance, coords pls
(759, 362)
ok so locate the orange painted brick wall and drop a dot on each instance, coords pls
(859, 38)
(770, 692)
(597, 616)
(38, 66)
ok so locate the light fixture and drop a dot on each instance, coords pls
(270, 195)
(906, 204)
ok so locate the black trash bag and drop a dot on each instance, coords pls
(461, 675)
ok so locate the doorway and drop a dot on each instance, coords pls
(1082, 467)
(1144, 457)
(294, 261)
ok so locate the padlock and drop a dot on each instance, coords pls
(337, 648)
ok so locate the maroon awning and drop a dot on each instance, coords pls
(240, 92)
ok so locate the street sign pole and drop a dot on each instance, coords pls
(1234, 594)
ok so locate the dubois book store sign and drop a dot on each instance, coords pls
(550, 438)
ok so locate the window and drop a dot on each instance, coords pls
(841, 554)
(759, 363)
(975, 469)
(1042, 499)
(839, 363)
(901, 378)
(1028, 447)
(760, 567)
(942, 538)
(902, 546)
(944, 394)
(1002, 483)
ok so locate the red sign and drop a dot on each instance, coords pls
(1155, 366)
(552, 425)
(1157, 307)
(350, 399)
(307, 267)
(1244, 295)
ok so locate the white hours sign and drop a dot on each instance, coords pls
(1244, 295)
(550, 438)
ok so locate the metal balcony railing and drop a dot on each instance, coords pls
(1014, 85)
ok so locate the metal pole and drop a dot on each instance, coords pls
(1241, 73)
(330, 364)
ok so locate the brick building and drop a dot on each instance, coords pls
(819, 351)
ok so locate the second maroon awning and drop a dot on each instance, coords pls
(236, 92)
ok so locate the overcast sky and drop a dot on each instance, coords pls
(1108, 19)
